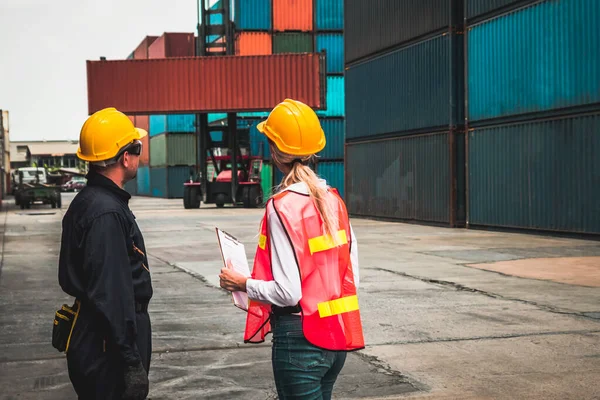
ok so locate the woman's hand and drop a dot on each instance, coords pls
(231, 280)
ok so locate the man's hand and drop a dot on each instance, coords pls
(231, 280)
(136, 383)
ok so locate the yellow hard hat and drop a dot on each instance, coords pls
(294, 128)
(104, 133)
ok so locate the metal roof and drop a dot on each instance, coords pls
(44, 148)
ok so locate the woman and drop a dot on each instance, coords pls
(305, 274)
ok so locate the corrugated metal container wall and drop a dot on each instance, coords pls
(172, 45)
(176, 176)
(292, 43)
(173, 149)
(142, 121)
(334, 134)
(336, 104)
(372, 26)
(158, 182)
(476, 8)
(333, 173)
(259, 144)
(261, 114)
(333, 43)
(143, 181)
(141, 52)
(253, 14)
(403, 178)
(131, 187)
(555, 64)
(266, 180)
(212, 117)
(293, 15)
(203, 84)
(172, 123)
(253, 44)
(330, 15)
(537, 175)
(408, 89)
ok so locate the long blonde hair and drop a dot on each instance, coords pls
(299, 171)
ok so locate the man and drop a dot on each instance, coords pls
(104, 266)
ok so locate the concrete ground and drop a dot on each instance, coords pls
(448, 314)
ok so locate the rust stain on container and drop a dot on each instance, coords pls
(253, 44)
(172, 45)
(204, 84)
(141, 52)
(293, 15)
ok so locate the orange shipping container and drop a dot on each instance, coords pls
(141, 121)
(253, 44)
(293, 15)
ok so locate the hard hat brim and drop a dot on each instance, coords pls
(141, 132)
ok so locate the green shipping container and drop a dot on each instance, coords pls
(266, 180)
(293, 43)
(173, 149)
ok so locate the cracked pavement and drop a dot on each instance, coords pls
(435, 326)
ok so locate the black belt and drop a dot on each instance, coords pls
(141, 307)
(277, 311)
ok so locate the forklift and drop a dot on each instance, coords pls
(231, 175)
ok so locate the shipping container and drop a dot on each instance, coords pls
(541, 175)
(173, 45)
(173, 149)
(540, 58)
(266, 181)
(333, 173)
(374, 26)
(334, 134)
(253, 15)
(204, 84)
(172, 123)
(259, 144)
(277, 177)
(410, 89)
(143, 181)
(293, 15)
(406, 178)
(141, 52)
(145, 154)
(336, 104)
(330, 15)
(213, 117)
(253, 44)
(333, 44)
(292, 43)
(142, 121)
(253, 114)
(476, 8)
(167, 182)
(131, 187)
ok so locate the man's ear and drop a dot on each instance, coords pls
(125, 159)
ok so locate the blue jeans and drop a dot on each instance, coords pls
(302, 370)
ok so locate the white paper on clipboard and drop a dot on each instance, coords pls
(233, 250)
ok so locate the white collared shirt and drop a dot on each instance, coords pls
(286, 290)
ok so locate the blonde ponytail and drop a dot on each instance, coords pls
(300, 172)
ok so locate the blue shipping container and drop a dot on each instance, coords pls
(330, 15)
(539, 58)
(334, 134)
(212, 117)
(253, 114)
(405, 90)
(171, 123)
(143, 181)
(333, 43)
(476, 8)
(335, 98)
(253, 14)
(541, 175)
(333, 173)
(259, 144)
(158, 182)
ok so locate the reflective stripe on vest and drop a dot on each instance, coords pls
(326, 242)
(338, 306)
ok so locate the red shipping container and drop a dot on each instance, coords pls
(206, 84)
(172, 45)
(141, 121)
(253, 44)
(293, 15)
(141, 52)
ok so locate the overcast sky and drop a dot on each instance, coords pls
(44, 46)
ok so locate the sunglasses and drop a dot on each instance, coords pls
(134, 148)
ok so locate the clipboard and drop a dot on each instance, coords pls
(232, 249)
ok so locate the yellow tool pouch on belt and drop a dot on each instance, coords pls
(64, 322)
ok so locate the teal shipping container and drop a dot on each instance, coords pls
(542, 175)
(333, 44)
(143, 181)
(333, 173)
(252, 15)
(536, 59)
(259, 144)
(167, 182)
(330, 15)
(173, 149)
(476, 8)
(213, 117)
(266, 181)
(335, 98)
(172, 123)
(335, 137)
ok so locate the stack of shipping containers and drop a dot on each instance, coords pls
(405, 110)
(297, 26)
(533, 109)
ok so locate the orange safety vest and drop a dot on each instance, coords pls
(329, 304)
